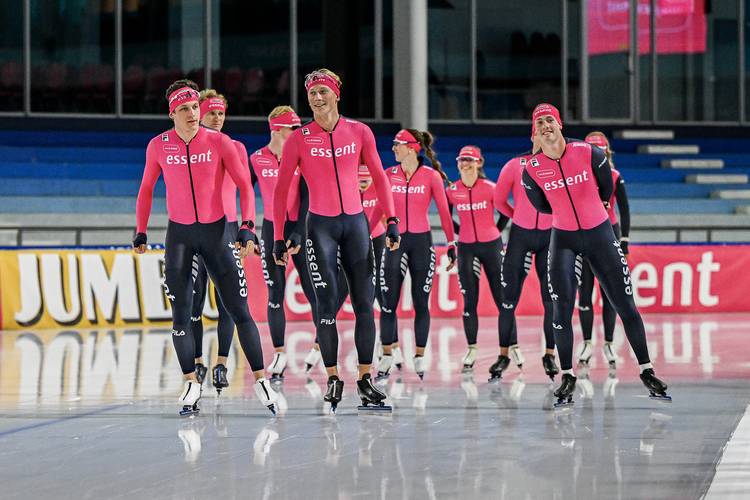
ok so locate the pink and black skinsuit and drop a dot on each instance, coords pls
(479, 245)
(328, 162)
(194, 174)
(573, 189)
(528, 239)
(412, 198)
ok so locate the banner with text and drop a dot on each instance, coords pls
(84, 288)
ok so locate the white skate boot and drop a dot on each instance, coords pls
(419, 366)
(398, 358)
(609, 353)
(586, 351)
(277, 367)
(516, 355)
(191, 394)
(384, 366)
(313, 358)
(268, 397)
(469, 359)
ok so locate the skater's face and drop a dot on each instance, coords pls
(214, 119)
(469, 166)
(548, 129)
(187, 116)
(322, 100)
(401, 151)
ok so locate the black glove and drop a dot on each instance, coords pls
(140, 239)
(452, 254)
(391, 231)
(624, 246)
(294, 239)
(244, 235)
(279, 250)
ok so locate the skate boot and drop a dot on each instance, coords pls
(656, 388)
(550, 367)
(191, 394)
(334, 392)
(312, 359)
(384, 366)
(516, 355)
(219, 378)
(585, 355)
(372, 397)
(419, 366)
(398, 358)
(564, 393)
(200, 372)
(469, 359)
(266, 394)
(278, 365)
(498, 367)
(609, 353)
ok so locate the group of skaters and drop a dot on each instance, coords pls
(354, 229)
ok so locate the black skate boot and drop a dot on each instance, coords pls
(564, 393)
(200, 372)
(372, 397)
(334, 392)
(219, 378)
(550, 367)
(656, 388)
(498, 367)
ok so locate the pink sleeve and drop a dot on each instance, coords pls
(293, 201)
(502, 190)
(240, 174)
(229, 190)
(370, 158)
(146, 192)
(375, 217)
(289, 161)
(438, 194)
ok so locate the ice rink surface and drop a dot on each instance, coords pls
(93, 414)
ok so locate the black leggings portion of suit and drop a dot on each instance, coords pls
(215, 245)
(471, 258)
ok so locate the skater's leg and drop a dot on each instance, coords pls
(200, 287)
(275, 278)
(224, 330)
(609, 316)
(392, 275)
(422, 271)
(540, 265)
(585, 293)
(468, 279)
(513, 273)
(562, 285)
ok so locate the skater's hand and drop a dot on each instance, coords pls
(280, 252)
(624, 245)
(392, 237)
(293, 244)
(139, 243)
(451, 257)
(247, 241)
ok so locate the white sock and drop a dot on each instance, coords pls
(645, 366)
(569, 372)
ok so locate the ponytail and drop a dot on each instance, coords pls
(426, 140)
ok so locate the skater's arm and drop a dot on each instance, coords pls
(240, 174)
(145, 198)
(502, 221)
(289, 161)
(370, 158)
(438, 194)
(535, 194)
(624, 207)
(602, 173)
(503, 188)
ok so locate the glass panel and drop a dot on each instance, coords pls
(449, 49)
(574, 61)
(162, 42)
(518, 56)
(645, 89)
(72, 56)
(251, 66)
(388, 59)
(11, 58)
(697, 60)
(609, 42)
(339, 35)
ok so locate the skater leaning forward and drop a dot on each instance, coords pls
(573, 181)
(193, 161)
(328, 152)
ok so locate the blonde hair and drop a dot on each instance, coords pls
(280, 110)
(211, 93)
(607, 152)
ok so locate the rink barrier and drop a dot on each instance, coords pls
(53, 288)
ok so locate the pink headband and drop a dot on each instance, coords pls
(405, 137)
(545, 109)
(181, 96)
(211, 104)
(314, 79)
(598, 140)
(288, 119)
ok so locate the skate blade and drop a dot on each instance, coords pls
(399, 365)
(277, 379)
(562, 405)
(381, 376)
(665, 398)
(421, 376)
(467, 369)
(375, 410)
(272, 407)
(495, 379)
(189, 411)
